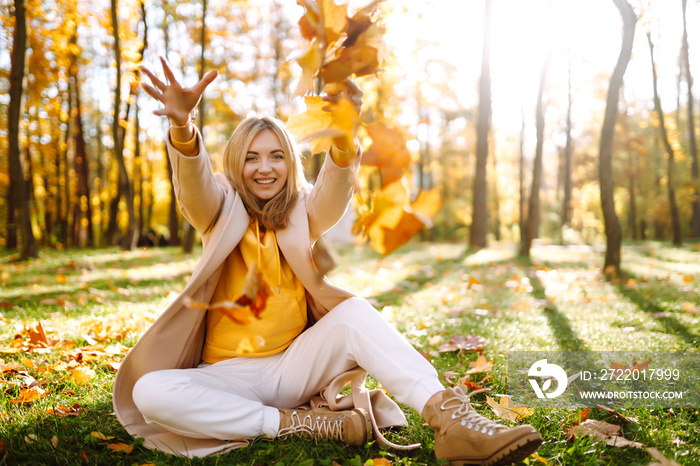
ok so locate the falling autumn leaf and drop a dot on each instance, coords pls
(312, 121)
(249, 305)
(392, 219)
(309, 61)
(388, 152)
(507, 409)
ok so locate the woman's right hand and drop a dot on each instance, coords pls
(178, 102)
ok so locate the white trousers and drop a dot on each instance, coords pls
(239, 397)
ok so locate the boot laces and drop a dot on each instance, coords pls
(469, 417)
(325, 427)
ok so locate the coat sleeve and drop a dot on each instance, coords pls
(330, 195)
(199, 195)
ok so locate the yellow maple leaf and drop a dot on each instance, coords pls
(82, 375)
(480, 365)
(507, 409)
(101, 436)
(311, 121)
(309, 62)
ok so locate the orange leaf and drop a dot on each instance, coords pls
(28, 395)
(388, 152)
(312, 121)
(255, 291)
(120, 447)
(37, 335)
(480, 365)
(392, 222)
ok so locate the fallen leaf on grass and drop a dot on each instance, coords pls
(480, 365)
(54, 441)
(661, 460)
(507, 409)
(63, 411)
(101, 436)
(616, 413)
(633, 366)
(379, 461)
(689, 307)
(29, 395)
(82, 375)
(117, 447)
(464, 343)
(602, 431)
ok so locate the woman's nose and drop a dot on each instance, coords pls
(265, 165)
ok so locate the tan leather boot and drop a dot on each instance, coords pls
(462, 436)
(352, 427)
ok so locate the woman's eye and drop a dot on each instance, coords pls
(249, 159)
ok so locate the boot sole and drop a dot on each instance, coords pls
(516, 451)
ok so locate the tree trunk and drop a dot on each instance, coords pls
(521, 178)
(477, 231)
(613, 232)
(495, 200)
(533, 208)
(694, 171)
(126, 188)
(11, 223)
(675, 218)
(138, 169)
(28, 242)
(188, 230)
(83, 232)
(173, 217)
(568, 151)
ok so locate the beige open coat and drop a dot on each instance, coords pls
(175, 340)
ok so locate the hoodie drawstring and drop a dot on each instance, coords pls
(277, 254)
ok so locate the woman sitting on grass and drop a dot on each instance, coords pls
(198, 383)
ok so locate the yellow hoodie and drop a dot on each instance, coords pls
(284, 316)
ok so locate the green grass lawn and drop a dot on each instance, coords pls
(94, 304)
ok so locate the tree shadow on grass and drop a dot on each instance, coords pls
(393, 297)
(672, 325)
(560, 324)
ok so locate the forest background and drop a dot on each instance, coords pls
(500, 127)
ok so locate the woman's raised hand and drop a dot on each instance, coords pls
(347, 89)
(178, 102)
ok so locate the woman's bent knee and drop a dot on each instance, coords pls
(152, 394)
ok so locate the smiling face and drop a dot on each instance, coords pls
(265, 169)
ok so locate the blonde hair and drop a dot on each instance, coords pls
(274, 213)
